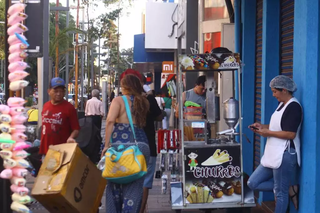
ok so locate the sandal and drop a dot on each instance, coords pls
(295, 197)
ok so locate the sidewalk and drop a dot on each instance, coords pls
(157, 202)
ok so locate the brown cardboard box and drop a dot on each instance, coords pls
(68, 182)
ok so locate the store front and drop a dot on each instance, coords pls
(282, 37)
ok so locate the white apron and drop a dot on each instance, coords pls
(275, 147)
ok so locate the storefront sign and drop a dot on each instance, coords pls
(210, 61)
(213, 174)
(168, 67)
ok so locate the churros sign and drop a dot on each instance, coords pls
(219, 157)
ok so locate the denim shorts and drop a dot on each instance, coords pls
(148, 178)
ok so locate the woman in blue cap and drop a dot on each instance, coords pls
(282, 152)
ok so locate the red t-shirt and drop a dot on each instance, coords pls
(58, 121)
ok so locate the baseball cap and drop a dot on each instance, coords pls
(57, 82)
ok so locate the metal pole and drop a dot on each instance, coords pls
(40, 91)
(67, 56)
(179, 100)
(240, 130)
(99, 72)
(118, 51)
(92, 78)
(237, 26)
(81, 80)
(5, 191)
(57, 45)
(45, 84)
(76, 61)
(105, 97)
(82, 63)
(74, 50)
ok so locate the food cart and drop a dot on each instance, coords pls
(210, 175)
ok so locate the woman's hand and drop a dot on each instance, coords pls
(256, 126)
(104, 151)
(263, 132)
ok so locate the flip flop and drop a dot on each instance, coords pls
(296, 194)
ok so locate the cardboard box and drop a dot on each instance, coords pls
(68, 182)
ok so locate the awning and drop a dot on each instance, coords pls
(146, 67)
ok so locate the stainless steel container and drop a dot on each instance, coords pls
(231, 112)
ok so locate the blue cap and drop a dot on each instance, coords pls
(57, 82)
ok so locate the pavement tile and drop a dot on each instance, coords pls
(157, 202)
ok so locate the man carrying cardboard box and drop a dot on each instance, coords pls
(59, 118)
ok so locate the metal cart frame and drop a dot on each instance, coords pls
(243, 203)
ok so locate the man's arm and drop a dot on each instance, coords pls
(74, 122)
(74, 134)
(86, 109)
(101, 109)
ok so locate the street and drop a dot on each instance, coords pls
(157, 202)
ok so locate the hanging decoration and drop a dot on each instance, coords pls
(13, 115)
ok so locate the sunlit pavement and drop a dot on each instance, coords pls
(157, 202)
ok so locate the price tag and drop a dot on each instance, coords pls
(197, 124)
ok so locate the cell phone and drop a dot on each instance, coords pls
(253, 127)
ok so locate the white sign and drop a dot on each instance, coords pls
(181, 12)
(197, 125)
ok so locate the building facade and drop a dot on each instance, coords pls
(282, 37)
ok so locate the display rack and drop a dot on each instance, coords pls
(212, 170)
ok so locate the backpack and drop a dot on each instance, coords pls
(89, 139)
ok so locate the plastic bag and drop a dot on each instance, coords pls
(101, 163)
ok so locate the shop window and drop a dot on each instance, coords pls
(211, 40)
(215, 9)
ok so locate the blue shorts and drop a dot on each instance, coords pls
(148, 178)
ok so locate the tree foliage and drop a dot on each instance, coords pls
(110, 2)
(63, 40)
(2, 29)
(65, 37)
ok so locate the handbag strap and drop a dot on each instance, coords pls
(125, 100)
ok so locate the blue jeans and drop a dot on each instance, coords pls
(148, 178)
(276, 180)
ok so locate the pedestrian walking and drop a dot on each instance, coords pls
(161, 104)
(127, 197)
(59, 118)
(154, 114)
(167, 109)
(94, 108)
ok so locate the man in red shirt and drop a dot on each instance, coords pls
(59, 118)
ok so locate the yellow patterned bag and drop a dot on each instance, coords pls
(125, 165)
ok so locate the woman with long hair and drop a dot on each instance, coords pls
(121, 198)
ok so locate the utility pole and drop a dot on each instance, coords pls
(82, 62)
(57, 45)
(67, 55)
(118, 52)
(92, 73)
(76, 60)
(81, 80)
(99, 62)
(88, 48)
